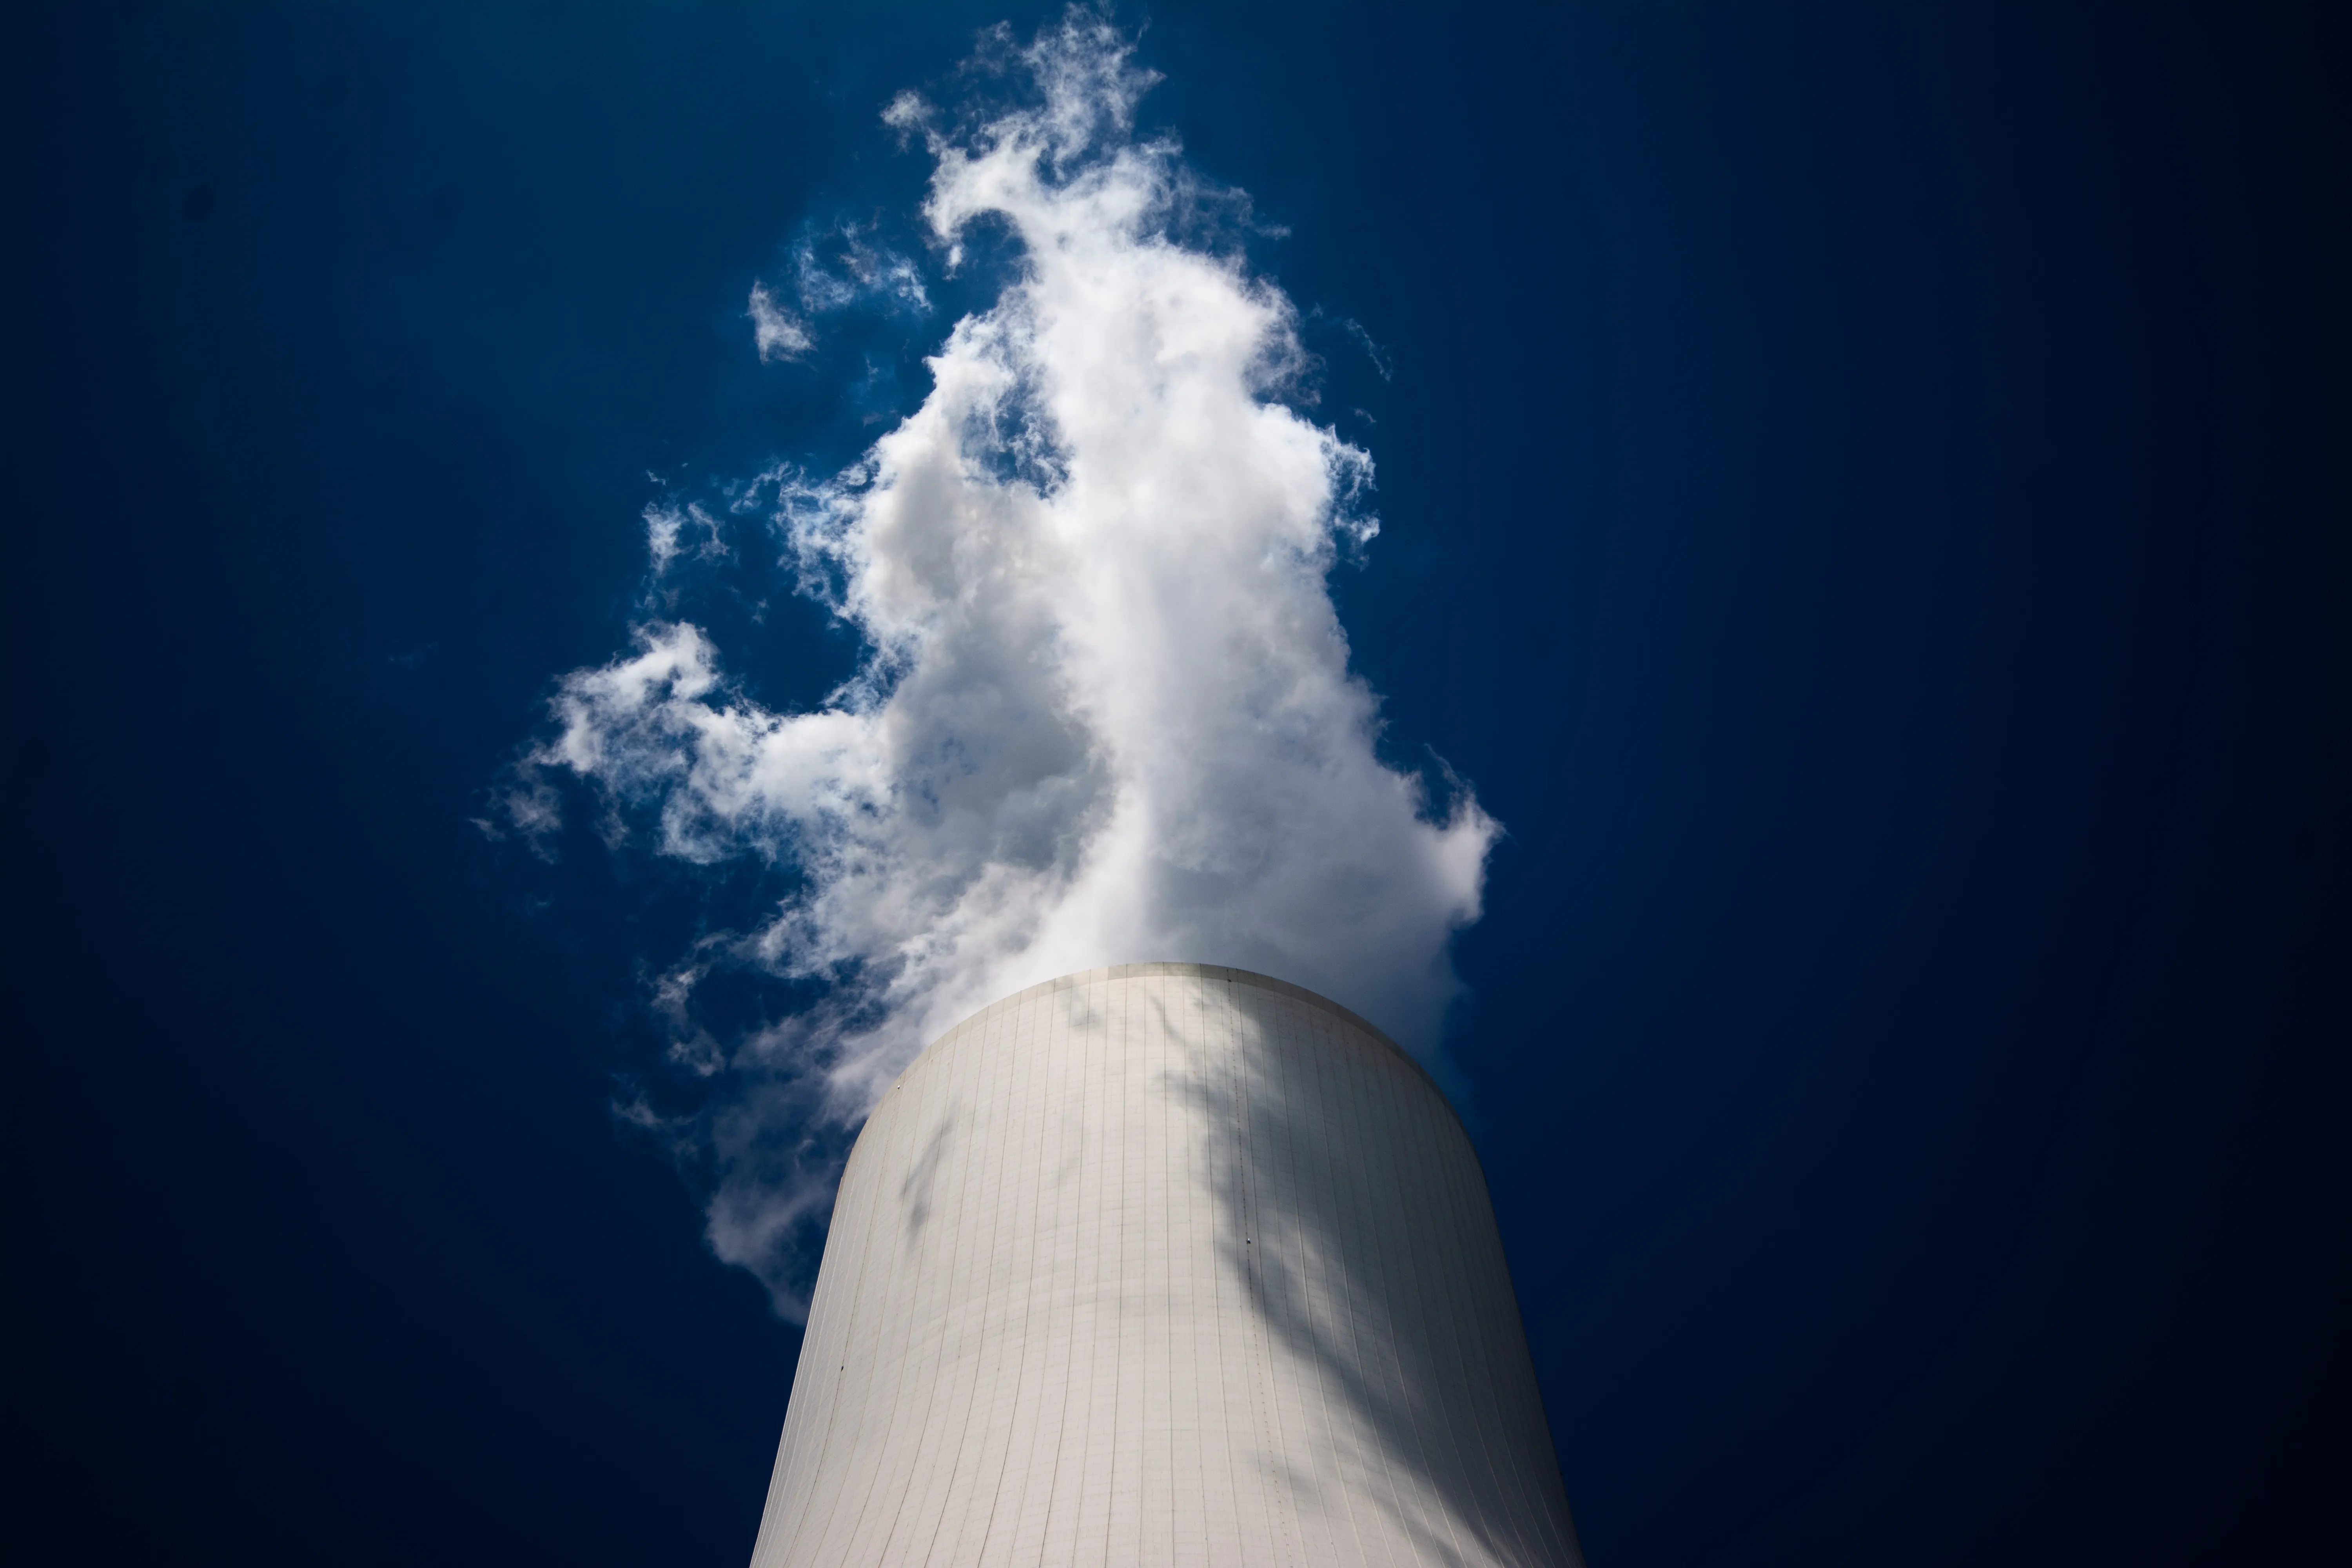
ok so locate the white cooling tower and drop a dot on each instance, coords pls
(1164, 1263)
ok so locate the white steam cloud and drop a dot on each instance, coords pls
(1105, 713)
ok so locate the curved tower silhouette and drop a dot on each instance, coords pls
(1164, 1263)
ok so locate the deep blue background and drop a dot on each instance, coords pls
(1863, 502)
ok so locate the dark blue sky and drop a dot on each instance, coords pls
(1863, 498)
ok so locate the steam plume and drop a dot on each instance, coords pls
(1106, 713)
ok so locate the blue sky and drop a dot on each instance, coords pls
(1856, 503)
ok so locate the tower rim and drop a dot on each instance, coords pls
(1226, 973)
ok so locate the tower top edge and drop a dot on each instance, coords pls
(1186, 971)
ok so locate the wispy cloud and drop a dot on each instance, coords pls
(673, 531)
(833, 269)
(1382, 361)
(1106, 713)
(843, 266)
(776, 331)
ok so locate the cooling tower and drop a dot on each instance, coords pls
(1164, 1263)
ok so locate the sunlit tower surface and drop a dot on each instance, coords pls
(1164, 1263)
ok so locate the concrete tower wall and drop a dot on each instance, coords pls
(1164, 1263)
